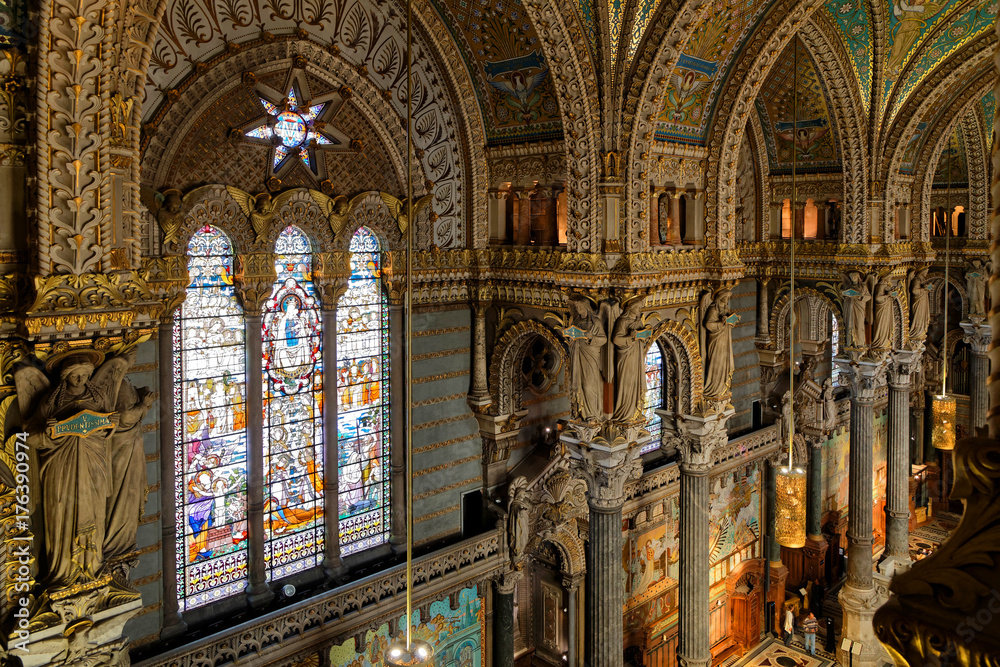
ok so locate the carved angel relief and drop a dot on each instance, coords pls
(260, 208)
(83, 422)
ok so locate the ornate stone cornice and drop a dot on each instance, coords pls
(89, 301)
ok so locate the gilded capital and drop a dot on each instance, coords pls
(254, 280)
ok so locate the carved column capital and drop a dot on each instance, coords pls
(506, 581)
(902, 365)
(700, 438)
(977, 336)
(254, 280)
(167, 279)
(864, 376)
(331, 276)
(605, 461)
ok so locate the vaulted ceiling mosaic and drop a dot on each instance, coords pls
(797, 94)
(703, 66)
(502, 50)
(989, 107)
(952, 167)
(853, 22)
(967, 23)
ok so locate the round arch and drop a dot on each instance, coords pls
(506, 383)
(680, 345)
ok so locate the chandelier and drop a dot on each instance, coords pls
(790, 482)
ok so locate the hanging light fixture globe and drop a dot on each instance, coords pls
(417, 654)
(790, 514)
(943, 411)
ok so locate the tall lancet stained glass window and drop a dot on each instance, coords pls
(654, 396)
(210, 428)
(363, 400)
(293, 427)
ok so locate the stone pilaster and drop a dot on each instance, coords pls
(701, 437)
(607, 459)
(503, 617)
(858, 597)
(897, 507)
(978, 337)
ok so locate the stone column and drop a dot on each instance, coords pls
(674, 221)
(777, 571)
(701, 437)
(479, 395)
(917, 427)
(173, 625)
(332, 564)
(654, 216)
(255, 280)
(607, 467)
(763, 316)
(814, 551)
(858, 597)
(978, 337)
(572, 585)
(522, 217)
(496, 214)
(503, 618)
(897, 507)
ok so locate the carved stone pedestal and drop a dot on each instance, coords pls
(498, 433)
(859, 607)
(87, 632)
(814, 558)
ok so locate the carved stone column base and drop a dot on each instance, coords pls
(688, 662)
(259, 596)
(814, 557)
(893, 565)
(859, 607)
(82, 636)
(776, 593)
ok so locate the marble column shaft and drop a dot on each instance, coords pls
(606, 590)
(172, 623)
(480, 385)
(814, 497)
(503, 624)
(694, 641)
(897, 506)
(258, 592)
(979, 367)
(571, 588)
(332, 564)
(859, 524)
(773, 547)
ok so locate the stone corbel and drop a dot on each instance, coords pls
(498, 432)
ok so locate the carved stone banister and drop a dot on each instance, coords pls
(370, 600)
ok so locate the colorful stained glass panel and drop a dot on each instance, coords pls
(363, 401)
(293, 408)
(654, 396)
(210, 428)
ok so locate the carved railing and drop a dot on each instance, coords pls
(369, 601)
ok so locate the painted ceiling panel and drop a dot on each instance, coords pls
(644, 12)
(501, 48)
(813, 137)
(915, 144)
(952, 168)
(908, 25)
(989, 105)
(588, 18)
(704, 66)
(968, 26)
(854, 25)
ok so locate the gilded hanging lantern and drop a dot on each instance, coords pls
(943, 409)
(417, 654)
(790, 507)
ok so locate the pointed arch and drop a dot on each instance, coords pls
(979, 173)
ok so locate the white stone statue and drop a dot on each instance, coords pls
(718, 322)
(976, 277)
(630, 363)
(786, 417)
(587, 338)
(518, 518)
(883, 320)
(829, 406)
(920, 309)
(856, 294)
(71, 428)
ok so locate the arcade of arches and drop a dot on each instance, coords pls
(208, 333)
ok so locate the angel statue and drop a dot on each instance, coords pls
(630, 362)
(402, 215)
(71, 422)
(336, 209)
(717, 331)
(128, 472)
(166, 208)
(260, 208)
(518, 518)
(587, 338)
(976, 277)
(883, 320)
(856, 295)
(920, 309)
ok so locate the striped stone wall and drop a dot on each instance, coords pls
(746, 378)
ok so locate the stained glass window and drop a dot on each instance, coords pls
(293, 429)
(654, 396)
(363, 400)
(210, 428)
(834, 349)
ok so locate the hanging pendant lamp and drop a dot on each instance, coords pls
(409, 651)
(790, 482)
(943, 406)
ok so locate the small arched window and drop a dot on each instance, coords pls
(654, 396)
(210, 427)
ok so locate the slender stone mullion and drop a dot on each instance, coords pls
(332, 564)
(173, 625)
(258, 592)
(397, 425)
(694, 641)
